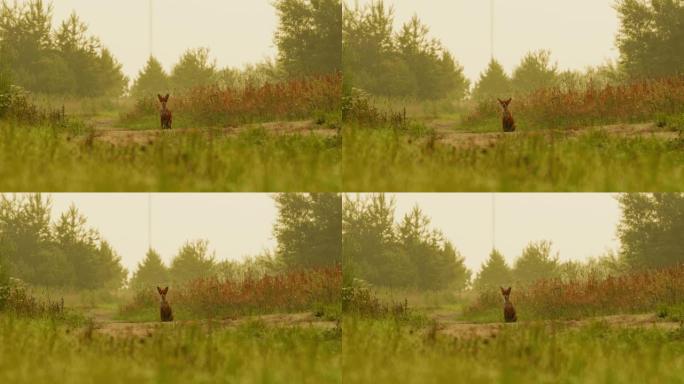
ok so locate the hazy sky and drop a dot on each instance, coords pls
(238, 32)
(579, 225)
(579, 33)
(236, 225)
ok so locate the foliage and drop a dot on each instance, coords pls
(386, 351)
(301, 290)
(380, 159)
(194, 69)
(493, 274)
(405, 63)
(309, 37)
(192, 262)
(651, 228)
(249, 353)
(651, 37)
(16, 299)
(536, 263)
(557, 107)
(61, 61)
(408, 254)
(65, 253)
(216, 106)
(151, 272)
(633, 292)
(151, 80)
(308, 229)
(534, 72)
(493, 83)
(41, 158)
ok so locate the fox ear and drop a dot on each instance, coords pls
(160, 291)
(160, 97)
(166, 290)
(500, 101)
(166, 98)
(508, 290)
(509, 100)
(502, 290)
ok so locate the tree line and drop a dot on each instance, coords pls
(67, 60)
(410, 63)
(410, 254)
(405, 254)
(68, 253)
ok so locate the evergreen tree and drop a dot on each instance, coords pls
(194, 69)
(651, 37)
(651, 228)
(494, 273)
(536, 263)
(151, 272)
(151, 80)
(309, 36)
(493, 83)
(534, 72)
(193, 261)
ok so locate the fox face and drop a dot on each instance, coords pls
(164, 308)
(166, 116)
(507, 119)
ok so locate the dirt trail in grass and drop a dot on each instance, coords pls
(105, 131)
(448, 326)
(446, 134)
(105, 326)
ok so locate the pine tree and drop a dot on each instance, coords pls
(495, 272)
(151, 272)
(151, 80)
(493, 83)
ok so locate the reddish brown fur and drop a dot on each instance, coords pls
(509, 311)
(165, 114)
(507, 119)
(164, 309)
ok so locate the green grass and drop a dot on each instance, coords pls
(388, 161)
(385, 351)
(44, 351)
(40, 158)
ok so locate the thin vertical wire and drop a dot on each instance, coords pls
(151, 28)
(491, 30)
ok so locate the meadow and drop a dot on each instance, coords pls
(567, 332)
(86, 337)
(617, 138)
(262, 142)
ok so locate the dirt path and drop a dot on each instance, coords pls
(107, 327)
(447, 134)
(463, 330)
(104, 131)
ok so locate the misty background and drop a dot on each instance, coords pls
(562, 218)
(579, 33)
(238, 32)
(236, 225)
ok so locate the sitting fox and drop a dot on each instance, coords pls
(507, 119)
(509, 311)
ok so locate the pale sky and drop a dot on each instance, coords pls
(579, 33)
(237, 32)
(579, 225)
(236, 225)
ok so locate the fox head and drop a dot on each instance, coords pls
(505, 103)
(162, 293)
(506, 293)
(163, 100)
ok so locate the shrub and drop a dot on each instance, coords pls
(292, 291)
(633, 292)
